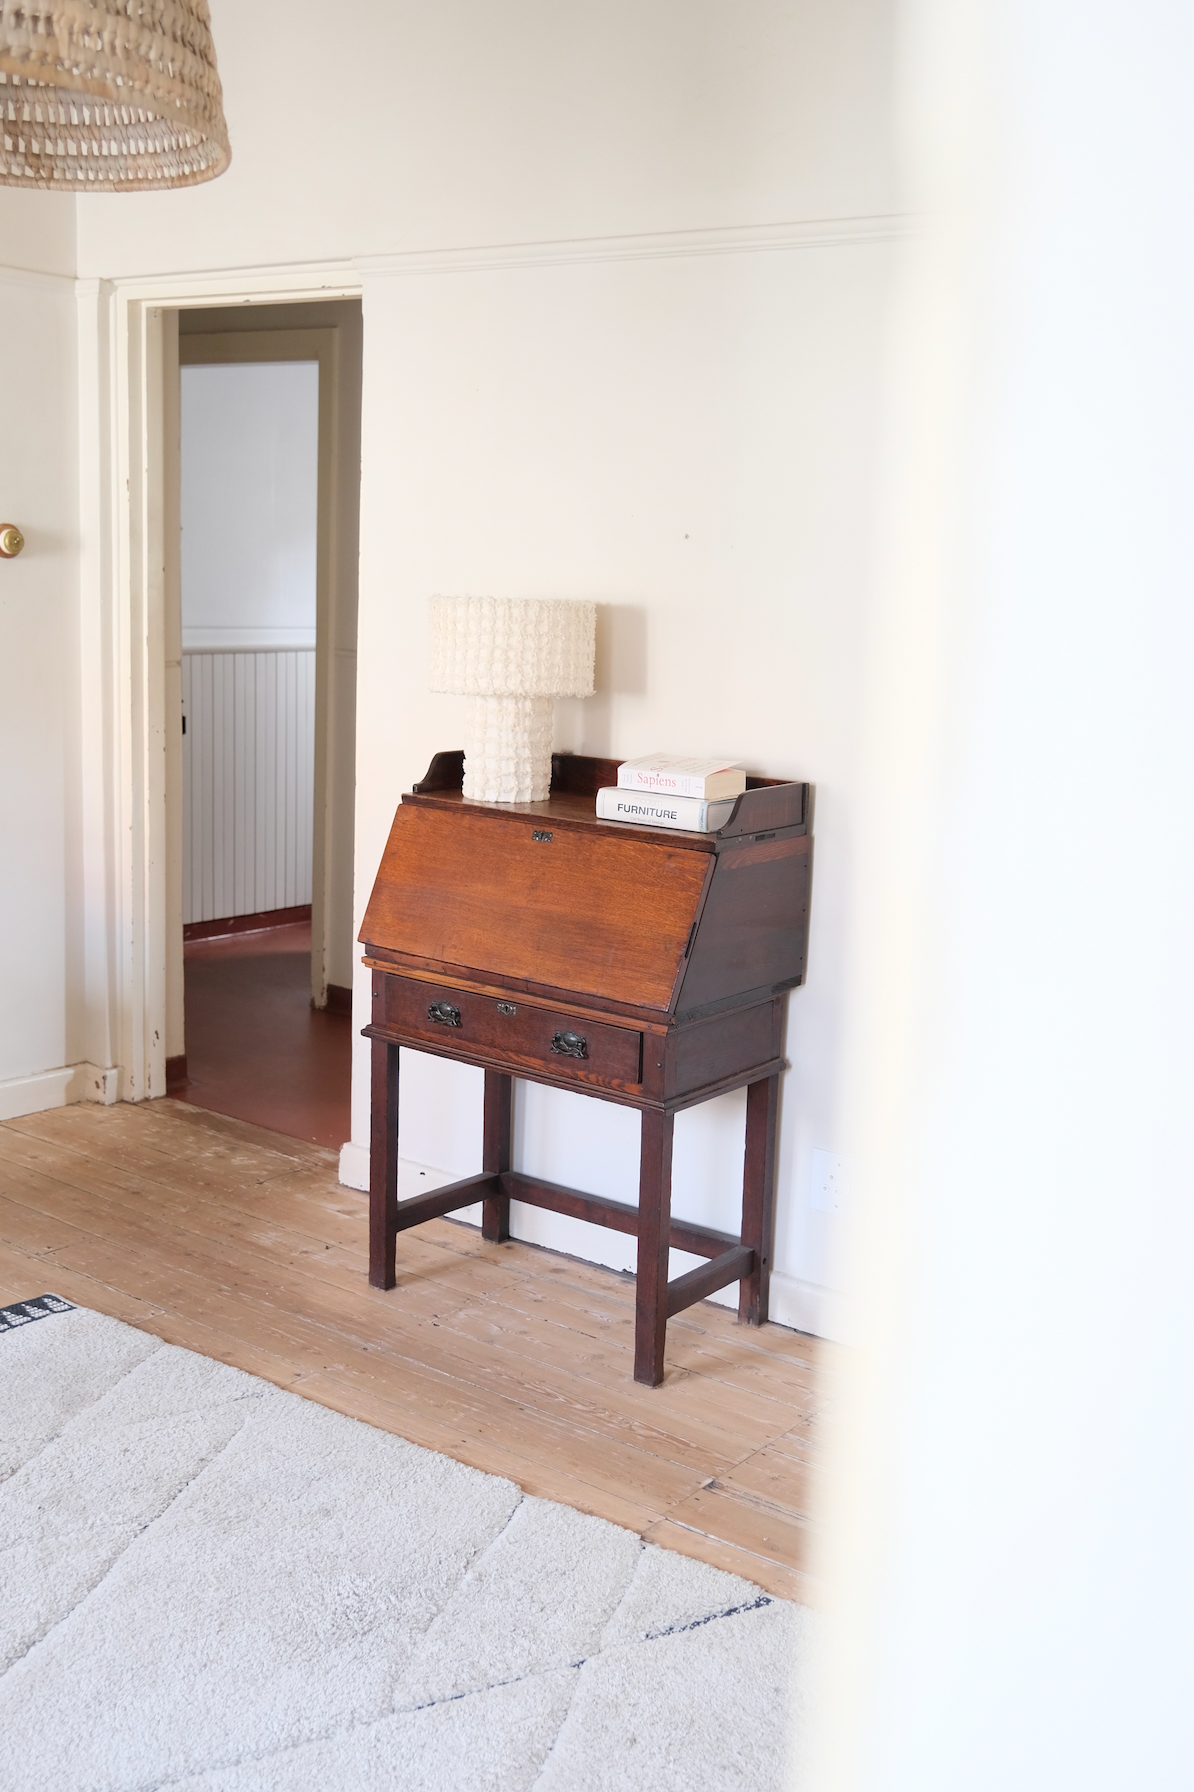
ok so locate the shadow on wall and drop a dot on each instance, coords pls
(586, 725)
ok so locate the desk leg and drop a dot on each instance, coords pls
(654, 1230)
(495, 1153)
(383, 1164)
(758, 1196)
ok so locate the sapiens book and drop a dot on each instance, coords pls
(667, 775)
(652, 811)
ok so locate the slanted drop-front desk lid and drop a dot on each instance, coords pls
(546, 895)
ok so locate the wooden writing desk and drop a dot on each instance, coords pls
(642, 965)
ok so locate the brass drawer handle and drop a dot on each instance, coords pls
(570, 1045)
(444, 1013)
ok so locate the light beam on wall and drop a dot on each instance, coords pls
(109, 95)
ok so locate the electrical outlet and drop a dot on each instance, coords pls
(827, 1189)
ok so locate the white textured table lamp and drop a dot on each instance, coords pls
(513, 656)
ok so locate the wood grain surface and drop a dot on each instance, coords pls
(517, 1033)
(241, 1244)
(576, 908)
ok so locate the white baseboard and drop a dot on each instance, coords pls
(804, 1306)
(88, 1082)
(354, 1165)
(808, 1307)
(33, 1094)
(413, 1178)
(56, 1088)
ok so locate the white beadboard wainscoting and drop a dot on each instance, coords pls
(248, 770)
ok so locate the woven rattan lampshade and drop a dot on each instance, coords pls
(109, 95)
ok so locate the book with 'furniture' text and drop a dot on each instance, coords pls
(666, 775)
(653, 811)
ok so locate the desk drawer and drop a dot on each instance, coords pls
(524, 1038)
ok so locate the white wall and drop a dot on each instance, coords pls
(1013, 1558)
(680, 427)
(39, 231)
(467, 123)
(249, 472)
(688, 442)
(41, 984)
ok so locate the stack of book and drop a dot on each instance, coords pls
(660, 791)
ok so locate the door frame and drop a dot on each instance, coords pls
(127, 363)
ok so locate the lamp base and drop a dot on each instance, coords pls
(507, 750)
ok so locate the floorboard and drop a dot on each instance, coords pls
(255, 1046)
(214, 1234)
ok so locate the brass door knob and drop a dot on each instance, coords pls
(11, 541)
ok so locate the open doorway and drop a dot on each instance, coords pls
(261, 789)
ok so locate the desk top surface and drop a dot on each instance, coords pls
(768, 803)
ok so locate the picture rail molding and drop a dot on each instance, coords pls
(665, 245)
(287, 281)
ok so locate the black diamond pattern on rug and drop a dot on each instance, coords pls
(24, 1312)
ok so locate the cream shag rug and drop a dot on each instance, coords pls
(208, 1582)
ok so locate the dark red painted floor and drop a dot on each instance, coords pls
(256, 1049)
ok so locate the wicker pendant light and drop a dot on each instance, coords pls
(109, 95)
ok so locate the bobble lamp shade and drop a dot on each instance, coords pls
(513, 657)
(109, 95)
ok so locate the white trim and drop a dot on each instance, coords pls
(354, 1166)
(63, 284)
(33, 1094)
(254, 642)
(803, 1307)
(124, 567)
(122, 576)
(413, 1178)
(285, 282)
(818, 233)
(280, 285)
(56, 1088)
(90, 1082)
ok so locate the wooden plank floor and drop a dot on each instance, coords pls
(239, 1243)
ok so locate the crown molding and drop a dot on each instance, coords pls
(666, 245)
